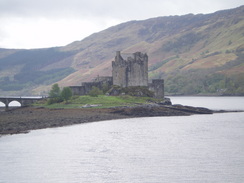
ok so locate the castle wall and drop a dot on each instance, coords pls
(104, 79)
(78, 90)
(86, 87)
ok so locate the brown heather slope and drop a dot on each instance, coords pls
(181, 49)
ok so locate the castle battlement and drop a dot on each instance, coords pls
(138, 58)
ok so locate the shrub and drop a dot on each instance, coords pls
(105, 88)
(95, 92)
(54, 100)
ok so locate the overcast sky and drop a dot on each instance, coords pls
(49, 23)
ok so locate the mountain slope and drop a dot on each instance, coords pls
(193, 53)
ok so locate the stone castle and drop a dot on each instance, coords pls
(125, 73)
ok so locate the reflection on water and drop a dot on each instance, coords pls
(198, 148)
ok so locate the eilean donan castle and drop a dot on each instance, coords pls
(125, 73)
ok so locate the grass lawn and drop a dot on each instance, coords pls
(102, 101)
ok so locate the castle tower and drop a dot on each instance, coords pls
(130, 72)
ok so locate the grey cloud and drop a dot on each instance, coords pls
(17, 15)
(122, 9)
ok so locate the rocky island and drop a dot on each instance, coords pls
(22, 120)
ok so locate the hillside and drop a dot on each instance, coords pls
(195, 54)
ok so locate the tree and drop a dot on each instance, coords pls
(66, 93)
(55, 91)
(55, 95)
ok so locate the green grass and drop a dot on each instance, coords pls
(102, 100)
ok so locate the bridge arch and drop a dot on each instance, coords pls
(2, 104)
(14, 103)
(11, 102)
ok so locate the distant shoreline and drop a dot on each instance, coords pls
(22, 120)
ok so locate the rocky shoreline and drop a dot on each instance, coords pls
(22, 120)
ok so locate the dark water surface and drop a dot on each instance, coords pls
(198, 148)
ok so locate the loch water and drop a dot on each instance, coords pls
(197, 148)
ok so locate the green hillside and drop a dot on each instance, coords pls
(26, 69)
(195, 54)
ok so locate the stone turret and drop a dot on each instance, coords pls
(157, 86)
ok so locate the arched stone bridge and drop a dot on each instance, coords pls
(24, 101)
